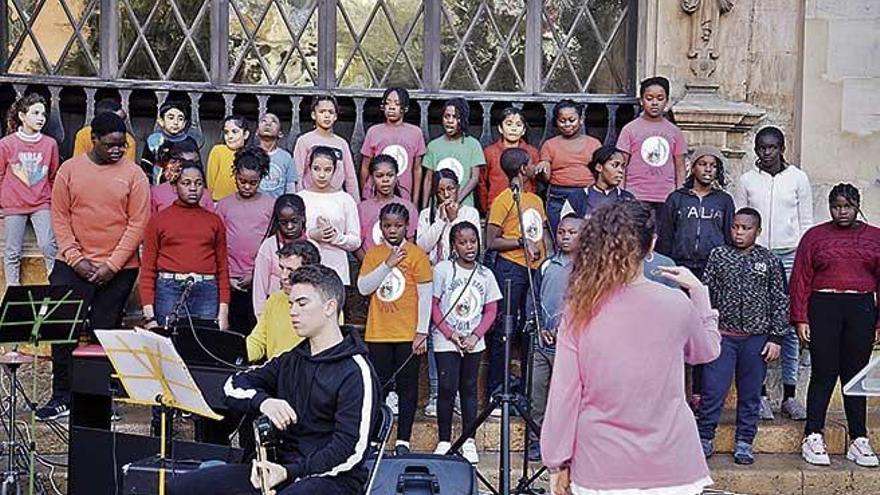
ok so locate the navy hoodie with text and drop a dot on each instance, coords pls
(690, 227)
(335, 396)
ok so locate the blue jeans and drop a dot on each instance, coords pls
(15, 226)
(518, 275)
(203, 301)
(740, 357)
(791, 345)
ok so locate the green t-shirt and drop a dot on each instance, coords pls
(460, 155)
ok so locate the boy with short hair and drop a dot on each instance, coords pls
(656, 147)
(551, 283)
(82, 142)
(274, 333)
(282, 177)
(519, 250)
(173, 124)
(747, 286)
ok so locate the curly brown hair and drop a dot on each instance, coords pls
(21, 105)
(612, 245)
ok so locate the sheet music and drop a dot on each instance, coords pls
(149, 366)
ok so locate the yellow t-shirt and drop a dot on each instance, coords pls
(394, 307)
(82, 143)
(221, 183)
(274, 332)
(503, 213)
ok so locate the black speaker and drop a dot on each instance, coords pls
(142, 477)
(424, 474)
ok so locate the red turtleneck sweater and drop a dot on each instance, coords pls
(184, 239)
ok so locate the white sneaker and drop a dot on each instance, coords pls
(391, 401)
(431, 407)
(861, 453)
(442, 448)
(469, 451)
(496, 413)
(813, 450)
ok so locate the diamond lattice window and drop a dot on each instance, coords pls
(483, 45)
(273, 42)
(164, 39)
(584, 46)
(379, 43)
(53, 37)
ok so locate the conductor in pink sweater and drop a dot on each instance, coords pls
(617, 418)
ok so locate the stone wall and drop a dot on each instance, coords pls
(841, 106)
(758, 58)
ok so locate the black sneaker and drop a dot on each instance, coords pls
(54, 409)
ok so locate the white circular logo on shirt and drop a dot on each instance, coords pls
(655, 151)
(467, 306)
(399, 153)
(378, 238)
(452, 164)
(533, 225)
(392, 286)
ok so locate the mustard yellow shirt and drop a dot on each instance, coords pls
(274, 333)
(221, 183)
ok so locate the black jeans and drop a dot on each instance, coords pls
(841, 340)
(387, 357)
(104, 306)
(456, 373)
(518, 276)
(235, 479)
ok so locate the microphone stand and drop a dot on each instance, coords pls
(525, 481)
(506, 399)
(174, 316)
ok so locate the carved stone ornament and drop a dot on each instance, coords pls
(705, 19)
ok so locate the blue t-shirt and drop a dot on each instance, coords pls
(282, 174)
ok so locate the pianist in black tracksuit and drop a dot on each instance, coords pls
(334, 395)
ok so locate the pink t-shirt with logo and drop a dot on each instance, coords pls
(405, 143)
(368, 213)
(650, 175)
(246, 223)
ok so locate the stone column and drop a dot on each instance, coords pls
(704, 114)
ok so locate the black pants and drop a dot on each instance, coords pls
(386, 359)
(518, 276)
(104, 306)
(241, 311)
(235, 479)
(456, 373)
(841, 340)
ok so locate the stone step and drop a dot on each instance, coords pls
(772, 474)
(780, 436)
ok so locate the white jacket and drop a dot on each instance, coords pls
(784, 200)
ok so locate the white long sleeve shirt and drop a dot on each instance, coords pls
(784, 200)
(433, 238)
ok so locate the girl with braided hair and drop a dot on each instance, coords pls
(833, 289)
(396, 275)
(616, 399)
(384, 188)
(246, 214)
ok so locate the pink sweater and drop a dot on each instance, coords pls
(27, 172)
(617, 411)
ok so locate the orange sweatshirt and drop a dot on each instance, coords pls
(99, 212)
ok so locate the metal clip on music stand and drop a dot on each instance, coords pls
(154, 374)
(32, 314)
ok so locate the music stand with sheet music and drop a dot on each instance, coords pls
(33, 314)
(866, 383)
(153, 374)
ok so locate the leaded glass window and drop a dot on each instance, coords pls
(536, 47)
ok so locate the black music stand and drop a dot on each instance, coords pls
(32, 314)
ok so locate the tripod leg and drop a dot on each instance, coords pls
(481, 418)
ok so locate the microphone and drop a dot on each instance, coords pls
(515, 188)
